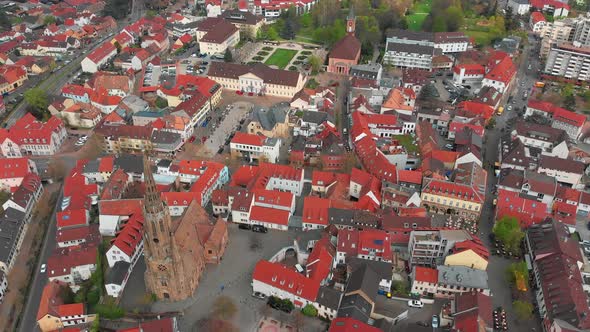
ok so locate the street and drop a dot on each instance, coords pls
(500, 290)
(29, 316)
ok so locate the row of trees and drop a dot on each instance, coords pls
(445, 15)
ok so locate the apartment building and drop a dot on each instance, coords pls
(570, 61)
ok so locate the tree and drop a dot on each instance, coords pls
(227, 56)
(428, 92)
(66, 294)
(95, 327)
(491, 123)
(454, 18)
(316, 64)
(524, 310)
(37, 98)
(47, 20)
(57, 169)
(570, 103)
(439, 24)
(507, 230)
(567, 90)
(399, 288)
(224, 308)
(118, 9)
(5, 21)
(309, 311)
(118, 47)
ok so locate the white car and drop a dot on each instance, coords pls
(415, 304)
(43, 268)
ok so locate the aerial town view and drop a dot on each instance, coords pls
(294, 165)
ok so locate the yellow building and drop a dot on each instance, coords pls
(248, 23)
(216, 35)
(463, 197)
(257, 79)
(272, 122)
(467, 258)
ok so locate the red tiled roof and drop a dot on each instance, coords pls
(348, 241)
(373, 240)
(273, 197)
(315, 210)
(269, 215)
(503, 71)
(342, 324)
(319, 262)
(540, 4)
(176, 198)
(62, 261)
(450, 189)
(50, 299)
(424, 274)
(470, 69)
(570, 118)
(72, 218)
(248, 139)
(13, 167)
(122, 207)
(74, 309)
(445, 156)
(130, 235)
(347, 48)
(106, 164)
(473, 109)
(458, 126)
(78, 233)
(291, 281)
(409, 176)
(537, 17)
(28, 128)
(527, 211)
(101, 52)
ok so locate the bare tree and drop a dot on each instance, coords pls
(224, 308)
(57, 169)
(93, 147)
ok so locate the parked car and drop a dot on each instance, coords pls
(449, 146)
(192, 139)
(43, 268)
(435, 321)
(415, 304)
(259, 295)
(259, 229)
(244, 226)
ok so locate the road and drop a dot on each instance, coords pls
(497, 266)
(29, 317)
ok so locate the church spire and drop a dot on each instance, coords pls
(350, 21)
(152, 201)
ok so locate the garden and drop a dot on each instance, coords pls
(281, 57)
(418, 14)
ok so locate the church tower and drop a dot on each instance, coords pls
(165, 272)
(350, 21)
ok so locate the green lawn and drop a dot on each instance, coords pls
(280, 57)
(406, 142)
(420, 10)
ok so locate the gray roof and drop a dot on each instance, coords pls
(364, 279)
(11, 223)
(150, 114)
(329, 297)
(117, 273)
(314, 117)
(383, 269)
(412, 35)
(164, 163)
(91, 166)
(355, 306)
(165, 137)
(410, 48)
(369, 70)
(462, 276)
(388, 308)
(268, 118)
(130, 163)
(341, 216)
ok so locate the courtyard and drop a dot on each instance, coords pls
(232, 277)
(288, 56)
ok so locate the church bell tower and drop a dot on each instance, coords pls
(350, 21)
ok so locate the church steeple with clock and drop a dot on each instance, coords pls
(350, 21)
